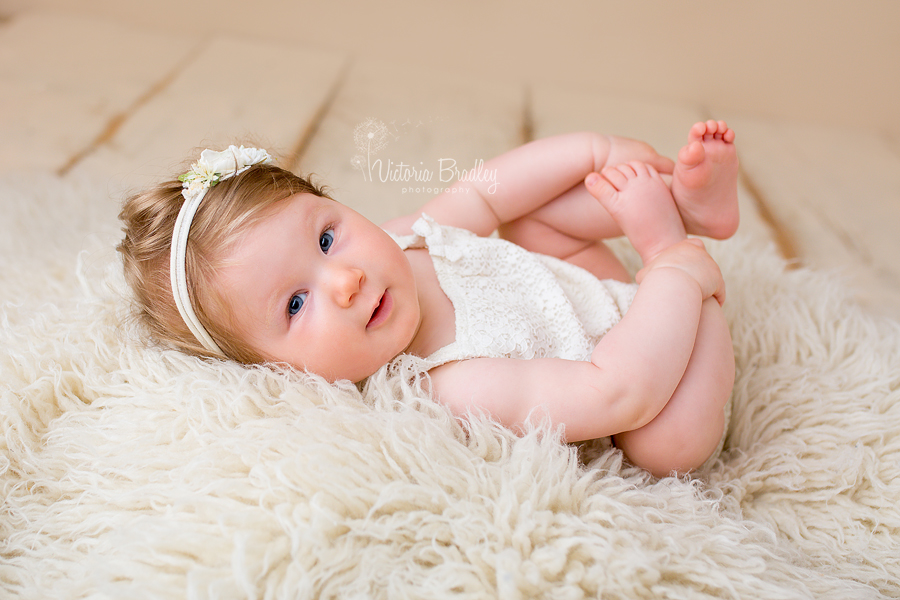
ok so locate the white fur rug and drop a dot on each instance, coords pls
(138, 473)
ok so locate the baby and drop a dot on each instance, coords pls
(275, 271)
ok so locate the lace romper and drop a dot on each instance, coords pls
(512, 303)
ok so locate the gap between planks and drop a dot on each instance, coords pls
(784, 241)
(295, 156)
(116, 121)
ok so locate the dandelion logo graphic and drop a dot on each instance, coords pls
(370, 136)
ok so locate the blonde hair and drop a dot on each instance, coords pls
(226, 211)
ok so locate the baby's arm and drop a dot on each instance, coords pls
(633, 372)
(522, 180)
(690, 426)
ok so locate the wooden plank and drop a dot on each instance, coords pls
(65, 78)
(664, 125)
(837, 195)
(235, 91)
(416, 119)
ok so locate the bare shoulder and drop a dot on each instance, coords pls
(575, 394)
(400, 225)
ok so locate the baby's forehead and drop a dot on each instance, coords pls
(297, 216)
(302, 206)
(299, 199)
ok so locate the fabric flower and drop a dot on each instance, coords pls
(215, 166)
(228, 161)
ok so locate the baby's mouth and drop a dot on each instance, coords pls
(381, 311)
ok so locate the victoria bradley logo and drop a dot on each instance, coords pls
(372, 136)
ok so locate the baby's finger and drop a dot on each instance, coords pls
(663, 164)
(720, 295)
(640, 275)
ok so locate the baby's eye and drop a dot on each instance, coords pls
(296, 303)
(326, 240)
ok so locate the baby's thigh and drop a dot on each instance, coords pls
(601, 262)
(594, 256)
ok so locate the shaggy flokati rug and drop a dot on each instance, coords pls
(130, 472)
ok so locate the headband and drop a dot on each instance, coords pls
(212, 168)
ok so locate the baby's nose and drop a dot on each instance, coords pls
(345, 284)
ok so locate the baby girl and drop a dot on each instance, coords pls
(240, 259)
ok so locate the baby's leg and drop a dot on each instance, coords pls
(704, 182)
(688, 430)
(640, 202)
(571, 227)
(690, 426)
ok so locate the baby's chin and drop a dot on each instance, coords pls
(356, 375)
(355, 365)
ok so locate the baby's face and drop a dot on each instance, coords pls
(318, 286)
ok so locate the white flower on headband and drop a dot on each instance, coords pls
(214, 166)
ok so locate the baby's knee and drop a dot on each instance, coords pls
(664, 452)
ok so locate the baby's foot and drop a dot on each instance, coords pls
(641, 204)
(704, 182)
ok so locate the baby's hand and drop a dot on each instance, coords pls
(622, 150)
(691, 257)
